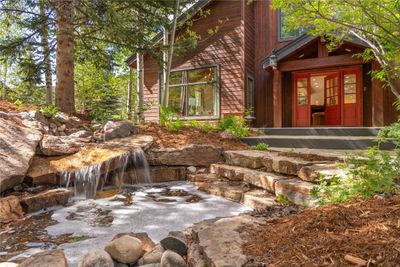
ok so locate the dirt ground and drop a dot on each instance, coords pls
(7, 106)
(186, 136)
(323, 236)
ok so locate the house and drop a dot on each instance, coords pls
(289, 79)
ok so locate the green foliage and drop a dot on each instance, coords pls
(391, 132)
(51, 110)
(261, 147)
(203, 126)
(18, 102)
(365, 174)
(282, 199)
(169, 120)
(234, 125)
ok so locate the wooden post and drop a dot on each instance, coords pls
(129, 97)
(277, 97)
(377, 100)
(140, 84)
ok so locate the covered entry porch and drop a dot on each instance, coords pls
(314, 87)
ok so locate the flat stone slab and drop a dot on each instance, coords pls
(296, 191)
(313, 172)
(245, 158)
(193, 155)
(230, 190)
(259, 199)
(219, 241)
(46, 199)
(227, 171)
(285, 165)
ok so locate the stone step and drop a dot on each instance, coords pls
(313, 172)
(286, 165)
(245, 158)
(259, 199)
(296, 191)
(261, 179)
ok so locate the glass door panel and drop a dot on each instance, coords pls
(302, 101)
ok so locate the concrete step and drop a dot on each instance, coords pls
(318, 141)
(326, 131)
(261, 179)
(259, 199)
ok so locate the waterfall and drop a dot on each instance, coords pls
(127, 169)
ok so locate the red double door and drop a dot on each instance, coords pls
(337, 98)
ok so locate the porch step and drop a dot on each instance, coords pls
(325, 131)
(318, 141)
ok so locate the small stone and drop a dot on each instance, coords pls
(96, 258)
(52, 258)
(62, 128)
(153, 256)
(151, 265)
(175, 241)
(81, 134)
(118, 129)
(227, 135)
(53, 126)
(61, 117)
(147, 243)
(10, 209)
(125, 249)
(192, 169)
(172, 259)
(62, 145)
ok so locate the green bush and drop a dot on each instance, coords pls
(261, 147)
(365, 174)
(203, 126)
(234, 125)
(50, 110)
(170, 120)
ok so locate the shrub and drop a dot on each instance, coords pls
(234, 125)
(365, 174)
(261, 147)
(170, 120)
(203, 126)
(50, 110)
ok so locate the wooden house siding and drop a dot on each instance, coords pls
(225, 48)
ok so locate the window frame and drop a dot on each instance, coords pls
(250, 78)
(299, 32)
(186, 85)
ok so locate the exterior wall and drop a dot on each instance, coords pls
(225, 48)
(249, 41)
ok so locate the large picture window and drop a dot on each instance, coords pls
(194, 93)
(285, 33)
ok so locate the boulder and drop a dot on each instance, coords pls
(147, 243)
(193, 155)
(172, 259)
(8, 264)
(175, 241)
(17, 148)
(96, 258)
(46, 199)
(52, 258)
(10, 209)
(81, 134)
(33, 115)
(152, 256)
(125, 249)
(118, 129)
(62, 117)
(151, 265)
(245, 158)
(61, 145)
(296, 191)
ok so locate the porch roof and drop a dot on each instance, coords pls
(300, 42)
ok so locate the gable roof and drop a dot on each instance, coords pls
(190, 13)
(296, 44)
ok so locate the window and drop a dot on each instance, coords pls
(194, 93)
(250, 95)
(284, 32)
(350, 92)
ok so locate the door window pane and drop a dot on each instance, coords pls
(350, 88)
(201, 100)
(302, 91)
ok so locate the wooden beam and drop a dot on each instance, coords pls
(377, 100)
(277, 98)
(322, 49)
(324, 62)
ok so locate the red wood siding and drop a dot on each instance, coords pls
(225, 48)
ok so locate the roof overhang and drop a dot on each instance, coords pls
(272, 60)
(189, 14)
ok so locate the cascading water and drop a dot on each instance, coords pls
(88, 180)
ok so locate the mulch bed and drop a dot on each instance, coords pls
(187, 136)
(323, 236)
(7, 106)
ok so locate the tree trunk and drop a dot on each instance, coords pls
(140, 85)
(4, 92)
(129, 97)
(46, 54)
(65, 56)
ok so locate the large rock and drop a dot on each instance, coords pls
(152, 256)
(10, 209)
(52, 258)
(17, 148)
(125, 249)
(245, 158)
(61, 145)
(96, 258)
(193, 155)
(313, 172)
(175, 241)
(172, 259)
(147, 243)
(296, 191)
(46, 199)
(118, 129)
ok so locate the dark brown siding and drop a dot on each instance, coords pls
(287, 99)
(225, 48)
(367, 96)
(249, 39)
